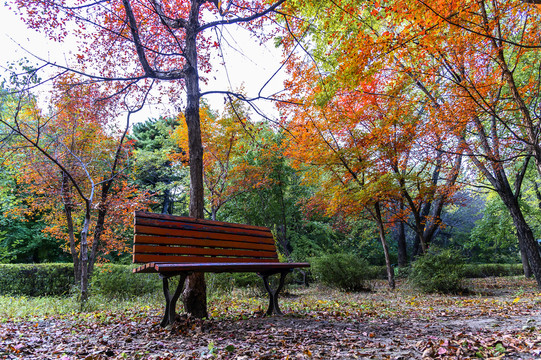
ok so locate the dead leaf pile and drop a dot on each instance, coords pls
(320, 324)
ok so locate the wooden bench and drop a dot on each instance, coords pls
(173, 245)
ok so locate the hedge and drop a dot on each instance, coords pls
(36, 279)
(58, 279)
(486, 270)
(110, 279)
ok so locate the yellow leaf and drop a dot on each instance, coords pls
(516, 300)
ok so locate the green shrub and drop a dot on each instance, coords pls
(402, 272)
(113, 280)
(346, 272)
(376, 272)
(36, 279)
(221, 283)
(438, 271)
(486, 270)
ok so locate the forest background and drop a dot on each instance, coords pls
(401, 129)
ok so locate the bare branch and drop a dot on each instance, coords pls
(257, 15)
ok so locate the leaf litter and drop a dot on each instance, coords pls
(502, 322)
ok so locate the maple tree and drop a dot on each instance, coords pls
(140, 44)
(487, 90)
(380, 144)
(71, 164)
(468, 66)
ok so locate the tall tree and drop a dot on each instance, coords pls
(480, 73)
(73, 164)
(138, 43)
(470, 66)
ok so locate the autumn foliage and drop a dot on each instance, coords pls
(227, 138)
(81, 137)
(431, 83)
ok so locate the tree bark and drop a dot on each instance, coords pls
(402, 246)
(83, 261)
(282, 229)
(527, 242)
(73, 249)
(100, 223)
(381, 230)
(524, 258)
(71, 231)
(166, 207)
(194, 294)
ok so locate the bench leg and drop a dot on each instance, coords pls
(170, 314)
(273, 295)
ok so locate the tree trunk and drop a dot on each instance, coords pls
(166, 208)
(98, 230)
(417, 246)
(402, 246)
(83, 264)
(194, 295)
(381, 230)
(282, 229)
(525, 263)
(527, 242)
(66, 198)
(213, 212)
(73, 249)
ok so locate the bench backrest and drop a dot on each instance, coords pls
(176, 239)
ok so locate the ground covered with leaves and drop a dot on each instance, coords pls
(499, 318)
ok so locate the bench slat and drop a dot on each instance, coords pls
(153, 249)
(146, 258)
(143, 214)
(168, 240)
(185, 225)
(150, 230)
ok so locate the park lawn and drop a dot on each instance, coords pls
(498, 318)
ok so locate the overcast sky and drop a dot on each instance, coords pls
(248, 63)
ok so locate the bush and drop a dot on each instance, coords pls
(346, 272)
(402, 272)
(486, 270)
(376, 272)
(113, 280)
(219, 283)
(36, 279)
(438, 271)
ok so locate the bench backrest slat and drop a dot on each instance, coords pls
(145, 217)
(177, 250)
(180, 232)
(190, 225)
(167, 238)
(182, 241)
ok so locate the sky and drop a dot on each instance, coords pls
(248, 63)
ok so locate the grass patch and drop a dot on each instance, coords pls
(37, 308)
(314, 302)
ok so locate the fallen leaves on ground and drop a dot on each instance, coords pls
(320, 324)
